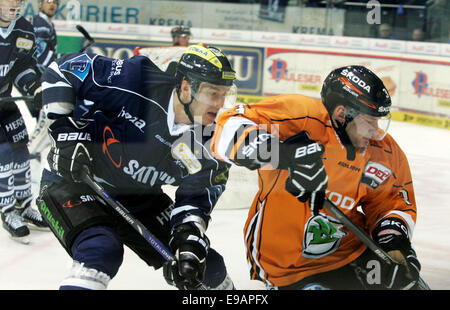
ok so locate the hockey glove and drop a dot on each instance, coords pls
(391, 234)
(308, 179)
(69, 152)
(190, 246)
(35, 105)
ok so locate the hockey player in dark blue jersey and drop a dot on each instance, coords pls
(46, 52)
(17, 68)
(136, 128)
(44, 29)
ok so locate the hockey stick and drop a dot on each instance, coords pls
(362, 235)
(24, 98)
(86, 35)
(137, 225)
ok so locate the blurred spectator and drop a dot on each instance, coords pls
(385, 32)
(311, 3)
(418, 35)
(180, 36)
(437, 20)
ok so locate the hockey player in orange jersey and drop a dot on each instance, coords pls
(306, 149)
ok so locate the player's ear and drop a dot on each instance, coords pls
(339, 114)
(185, 90)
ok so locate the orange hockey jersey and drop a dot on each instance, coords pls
(285, 243)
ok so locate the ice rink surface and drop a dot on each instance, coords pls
(42, 264)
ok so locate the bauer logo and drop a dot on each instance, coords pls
(73, 136)
(375, 174)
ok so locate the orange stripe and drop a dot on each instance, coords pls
(349, 84)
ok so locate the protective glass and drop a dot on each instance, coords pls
(371, 127)
(218, 96)
(11, 10)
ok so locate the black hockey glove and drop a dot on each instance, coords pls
(391, 234)
(69, 152)
(190, 246)
(308, 179)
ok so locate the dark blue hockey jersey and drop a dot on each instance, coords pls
(129, 106)
(46, 40)
(17, 58)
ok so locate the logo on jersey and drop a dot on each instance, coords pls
(147, 174)
(108, 140)
(74, 203)
(138, 122)
(24, 43)
(4, 69)
(182, 152)
(78, 66)
(375, 174)
(322, 236)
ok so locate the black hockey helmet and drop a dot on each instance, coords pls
(358, 88)
(201, 63)
(179, 31)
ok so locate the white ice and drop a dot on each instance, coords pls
(42, 264)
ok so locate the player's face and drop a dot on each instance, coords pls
(49, 7)
(364, 128)
(183, 40)
(9, 11)
(208, 100)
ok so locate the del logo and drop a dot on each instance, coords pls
(375, 174)
(109, 143)
(420, 83)
(78, 66)
(24, 43)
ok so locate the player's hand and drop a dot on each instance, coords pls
(392, 237)
(308, 179)
(69, 152)
(190, 246)
(37, 102)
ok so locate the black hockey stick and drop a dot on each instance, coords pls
(136, 224)
(24, 98)
(362, 235)
(86, 35)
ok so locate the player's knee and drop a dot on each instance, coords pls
(216, 276)
(99, 254)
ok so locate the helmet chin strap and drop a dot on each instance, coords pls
(186, 106)
(345, 139)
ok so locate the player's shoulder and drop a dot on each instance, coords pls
(295, 107)
(38, 21)
(24, 25)
(387, 148)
